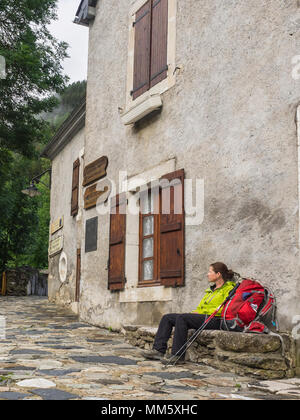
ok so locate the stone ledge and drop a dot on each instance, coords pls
(259, 356)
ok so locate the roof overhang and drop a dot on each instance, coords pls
(86, 12)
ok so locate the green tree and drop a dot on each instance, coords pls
(24, 221)
(73, 94)
(18, 211)
(37, 253)
(33, 72)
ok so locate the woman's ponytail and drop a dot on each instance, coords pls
(230, 274)
(222, 268)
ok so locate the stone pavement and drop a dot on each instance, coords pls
(48, 354)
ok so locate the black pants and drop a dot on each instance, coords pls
(182, 323)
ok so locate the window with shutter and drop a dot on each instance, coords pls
(117, 236)
(75, 188)
(161, 243)
(150, 48)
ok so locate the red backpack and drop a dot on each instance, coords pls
(250, 303)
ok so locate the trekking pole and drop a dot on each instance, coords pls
(196, 334)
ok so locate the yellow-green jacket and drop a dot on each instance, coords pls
(213, 298)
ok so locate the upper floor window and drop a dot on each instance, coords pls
(150, 46)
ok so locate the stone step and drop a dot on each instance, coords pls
(257, 355)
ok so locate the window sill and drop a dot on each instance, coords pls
(141, 109)
(149, 283)
(146, 294)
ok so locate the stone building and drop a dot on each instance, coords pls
(204, 92)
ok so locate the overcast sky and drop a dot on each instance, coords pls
(75, 35)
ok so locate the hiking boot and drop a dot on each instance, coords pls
(153, 354)
(170, 359)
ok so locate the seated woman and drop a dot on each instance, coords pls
(219, 276)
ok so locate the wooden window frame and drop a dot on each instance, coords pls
(161, 277)
(155, 281)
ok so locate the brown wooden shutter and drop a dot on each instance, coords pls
(159, 42)
(75, 188)
(142, 49)
(117, 236)
(78, 275)
(172, 231)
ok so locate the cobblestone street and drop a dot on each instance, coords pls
(48, 354)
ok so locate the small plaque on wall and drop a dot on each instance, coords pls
(91, 234)
(95, 170)
(55, 246)
(57, 224)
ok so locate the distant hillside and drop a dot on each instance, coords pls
(70, 99)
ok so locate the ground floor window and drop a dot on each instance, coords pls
(157, 254)
(161, 232)
(149, 237)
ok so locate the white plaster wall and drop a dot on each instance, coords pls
(61, 191)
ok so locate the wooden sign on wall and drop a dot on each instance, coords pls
(56, 225)
(95, 170)
(99, 196)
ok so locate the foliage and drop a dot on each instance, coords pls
(33, 72)
(34, 86)
(73, 94)
(34, 102)
(39, 255)
(24, 223)
(18, 213)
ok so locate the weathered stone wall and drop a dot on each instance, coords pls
(260, 356)
(26, 281)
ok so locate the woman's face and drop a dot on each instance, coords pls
(212, 276)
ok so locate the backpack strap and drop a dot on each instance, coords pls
(224, 315)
